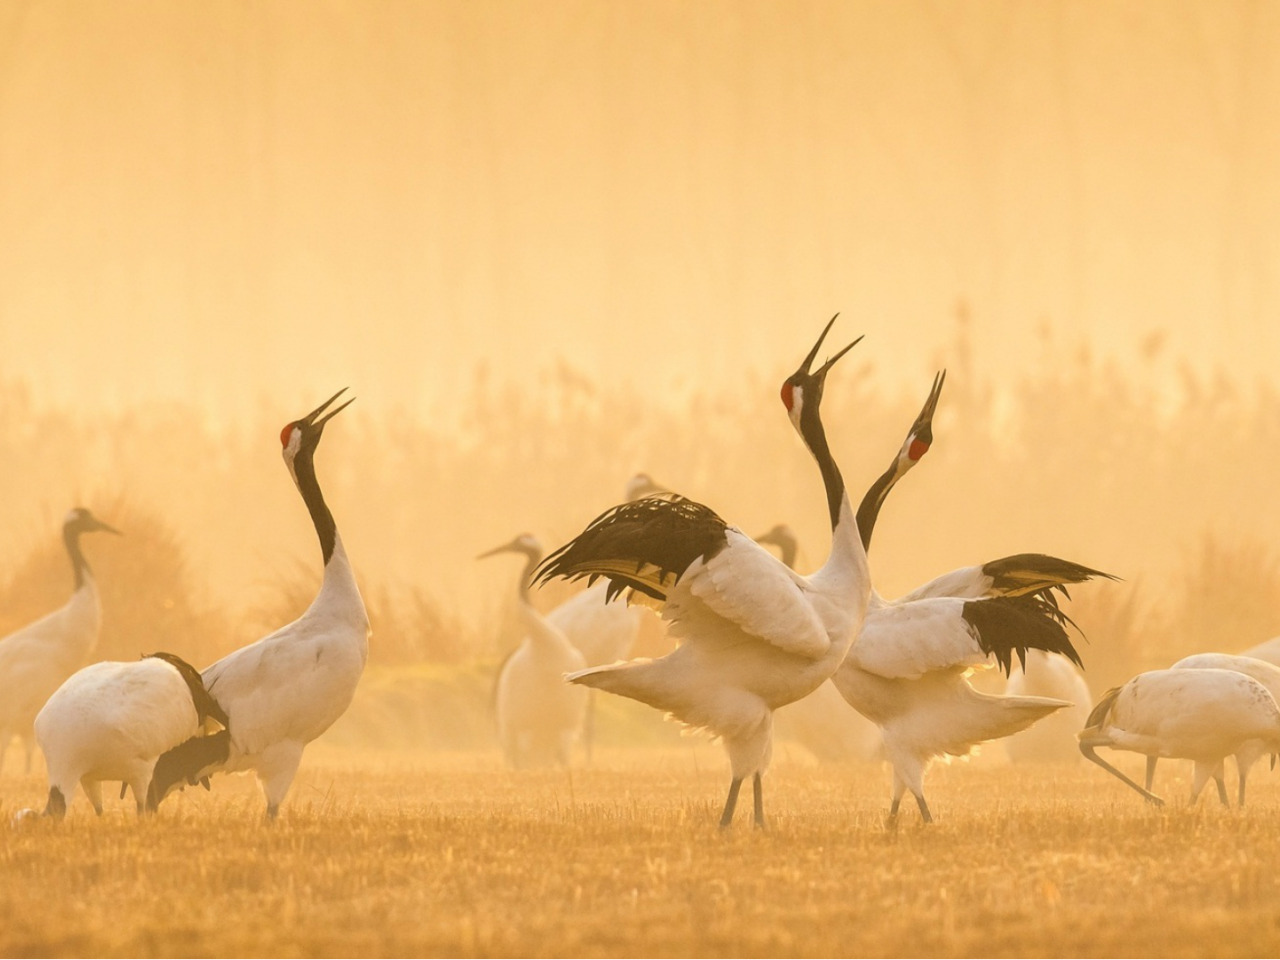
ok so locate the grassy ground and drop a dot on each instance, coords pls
(454, 855)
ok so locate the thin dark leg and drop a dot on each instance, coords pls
(1220, 780)
(757, 788)
(731, 802)
(925, 815)
(1088, 750)
(1243, 774)
(1151, 771)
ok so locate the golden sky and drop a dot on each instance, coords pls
(236, 201)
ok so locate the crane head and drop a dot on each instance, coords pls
(304, 434)
(803, 389)
(784, 538)
(526, 545)
(920, 436)
(82, 520)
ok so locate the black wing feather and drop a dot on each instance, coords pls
(1037, 573)
(643, 545)
(1008, 625)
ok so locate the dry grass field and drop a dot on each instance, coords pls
(453, 855)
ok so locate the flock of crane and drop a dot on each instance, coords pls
(754, 635)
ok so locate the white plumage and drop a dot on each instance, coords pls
(288, 688)
(755, 635)
(1199, 714)
(539, 716)
(907, 671)
(1268, 674)
(1053, 739)
(35, 660)
(111, 721)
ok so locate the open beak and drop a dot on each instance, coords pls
(821, 373)
(509, 547)
(310, 418)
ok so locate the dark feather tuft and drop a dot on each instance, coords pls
(187, 764)
(645, 545)
(205, 705)
(1008, 625)
(1037, 573)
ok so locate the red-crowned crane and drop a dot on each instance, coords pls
(35, 660)
(1267, 674)
(1195, 713)
(289, 687)
(755, 635)
(112, 721)
(539, 716)
(907, 669)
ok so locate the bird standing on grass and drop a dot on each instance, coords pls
(286, 689)
(35, 660)
(112, 720)
(539, 716)
(1196, 713)
(907, 670)
(754, 634)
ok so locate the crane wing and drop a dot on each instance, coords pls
(750, 589)
(1013, 576)
(908, 640)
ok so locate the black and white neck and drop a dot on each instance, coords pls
(300, 439)
(79, 521)
(802, 396)
(919, 439)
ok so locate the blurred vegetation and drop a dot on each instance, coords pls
(1159, 476)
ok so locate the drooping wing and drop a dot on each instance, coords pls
(908, 640)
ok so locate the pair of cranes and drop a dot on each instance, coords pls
(146, 723)
(756, 635)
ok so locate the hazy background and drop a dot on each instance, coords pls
(549, 244)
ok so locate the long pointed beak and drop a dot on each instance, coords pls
(107, 528)
(925, 420)
(505, 548)
(808, 361)
(310, 418)
(822, 370)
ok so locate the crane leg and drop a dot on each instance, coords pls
(1219, 777)
(1151, 771)
(925, 815)
(1088, 750)
(757, 790)
(730, 802)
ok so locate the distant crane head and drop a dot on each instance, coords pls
(527, 545)
(784, 538)
(642, 485)
(301, 437)
(81, 520)
(802, 391)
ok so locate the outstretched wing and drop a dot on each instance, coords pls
(716, 583)
(1015, 576)
(644, 545)
(908, 640)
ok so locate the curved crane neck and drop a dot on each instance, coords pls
(304, 474)
(815, 438)
(79, 565)
(532, 559)
(873, 500)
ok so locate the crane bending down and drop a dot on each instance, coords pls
(907, 670)
(286, 689)
(112, 720)
(755, 635)
(540, 717)
(1267, 674)
(1195, 713)
(35, 660)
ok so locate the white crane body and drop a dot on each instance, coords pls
(1199, 714)
(1052, 740)
(754, 635)
(112, 721)
(288, 688)
(35, 660)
